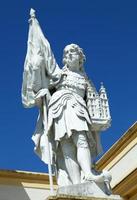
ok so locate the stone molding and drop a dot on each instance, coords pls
(126, 142)
(26, 179)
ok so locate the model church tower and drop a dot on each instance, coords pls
(99, 108)
(105, 113)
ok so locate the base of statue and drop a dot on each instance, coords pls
(84, 191)
(67, 197)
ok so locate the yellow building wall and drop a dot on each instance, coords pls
(121, 162)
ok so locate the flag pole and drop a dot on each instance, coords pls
(48, 147)
(45, 123)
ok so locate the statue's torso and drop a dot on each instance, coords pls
(67, 105)
(74, 82)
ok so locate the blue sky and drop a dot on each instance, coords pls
(106, 30)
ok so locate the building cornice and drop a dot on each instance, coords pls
(25, 178)
(128, 187)
(121, 147)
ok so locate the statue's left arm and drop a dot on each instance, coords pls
(98, 107)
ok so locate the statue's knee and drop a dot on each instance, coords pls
(68, 149)
(82, 141)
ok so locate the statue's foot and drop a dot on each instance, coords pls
(103, 177)
(95, 178)
(107, 176)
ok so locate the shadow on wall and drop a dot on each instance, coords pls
(13, 193)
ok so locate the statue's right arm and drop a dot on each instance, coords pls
(40, 68)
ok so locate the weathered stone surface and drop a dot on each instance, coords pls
(70, 197)
(88, 189)
(84, 191)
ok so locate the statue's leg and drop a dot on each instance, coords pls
(83, 151)
(63, 178)
(70, 156)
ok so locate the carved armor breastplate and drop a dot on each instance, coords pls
(74, 82)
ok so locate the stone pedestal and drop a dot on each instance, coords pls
(84, 191)
(67, 197)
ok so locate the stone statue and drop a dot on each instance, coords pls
(71, 112)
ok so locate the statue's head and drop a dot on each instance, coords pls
(73, 57)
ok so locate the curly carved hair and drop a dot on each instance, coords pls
(76, 48)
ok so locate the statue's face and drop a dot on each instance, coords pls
(73, 58)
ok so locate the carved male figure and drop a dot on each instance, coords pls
(74, 110)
